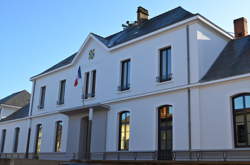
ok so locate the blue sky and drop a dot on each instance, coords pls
(36, 34)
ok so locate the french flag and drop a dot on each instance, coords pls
(79, 76)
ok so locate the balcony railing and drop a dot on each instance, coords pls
(204, 155)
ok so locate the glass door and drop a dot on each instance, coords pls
(165, 132)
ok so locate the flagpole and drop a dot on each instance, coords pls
(82, 86)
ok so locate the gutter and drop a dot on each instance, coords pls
(188, 90)
(30, 120)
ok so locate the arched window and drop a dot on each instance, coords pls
(124, 130)
(15, 146)
(165, 129)
(58, 138)
(38, 139)
(241, 115)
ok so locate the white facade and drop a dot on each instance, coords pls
(210, 103)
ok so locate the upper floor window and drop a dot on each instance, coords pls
(165, 72)
(61, 92)
(58, 139)
(90, 84)
(38, 139)
(16, 141)
(42, 97)
(3, 140)
(125, 75)
(93, 83)
(124, 130)
(241, 115)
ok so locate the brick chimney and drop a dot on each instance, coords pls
(142, 15)
(240, 27)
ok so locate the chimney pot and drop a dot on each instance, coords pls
(240, 27)
(142, 15)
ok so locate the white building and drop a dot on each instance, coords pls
(13, 102)
(160, 89)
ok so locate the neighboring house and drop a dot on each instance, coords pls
(175, 86)
(13, 102)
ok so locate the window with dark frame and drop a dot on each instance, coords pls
(38, 139)
(125, 75)
(93, 83)
(124, 131)
(58, 138)
(15, 147)
(62, 92)
(3, 140)
(42, 97)
(241, 118)
(86, 85)
(165, 72)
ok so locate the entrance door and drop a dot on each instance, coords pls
(83, 150)
(165, 132)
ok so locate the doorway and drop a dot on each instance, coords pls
(165, 132)
(83, 150)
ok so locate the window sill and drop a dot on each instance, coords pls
(60, 105)
(89, 99)
(124, 91)
(165, 82)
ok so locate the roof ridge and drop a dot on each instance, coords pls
(155, 17)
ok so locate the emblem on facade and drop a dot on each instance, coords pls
(91, 54)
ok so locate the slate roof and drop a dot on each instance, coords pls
(18, 99)
(166, 19)
(21, 113)
(62, 63)
(233, 60)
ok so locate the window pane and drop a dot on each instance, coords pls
(247, 101)
(169, 61)
(238, 103)
(124, 131)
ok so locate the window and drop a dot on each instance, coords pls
(241, 115)
(165, 73)
(86, 85)
(3, 140)
(165, 118)
(62, 92)
(93, 83)
(125, 75)
(89, 91)
(15, 147)
(58, 139)
(124, 130)
(38, 139)
(42, 97)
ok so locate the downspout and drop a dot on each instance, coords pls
(30, 120)
(188, 91)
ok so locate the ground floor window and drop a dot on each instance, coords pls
(3, 140)
(165, 117)
(124, 130)
(38, 139)
(58, 143)
(17, 131)
(241, 115)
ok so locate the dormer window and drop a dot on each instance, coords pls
(165, 71)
